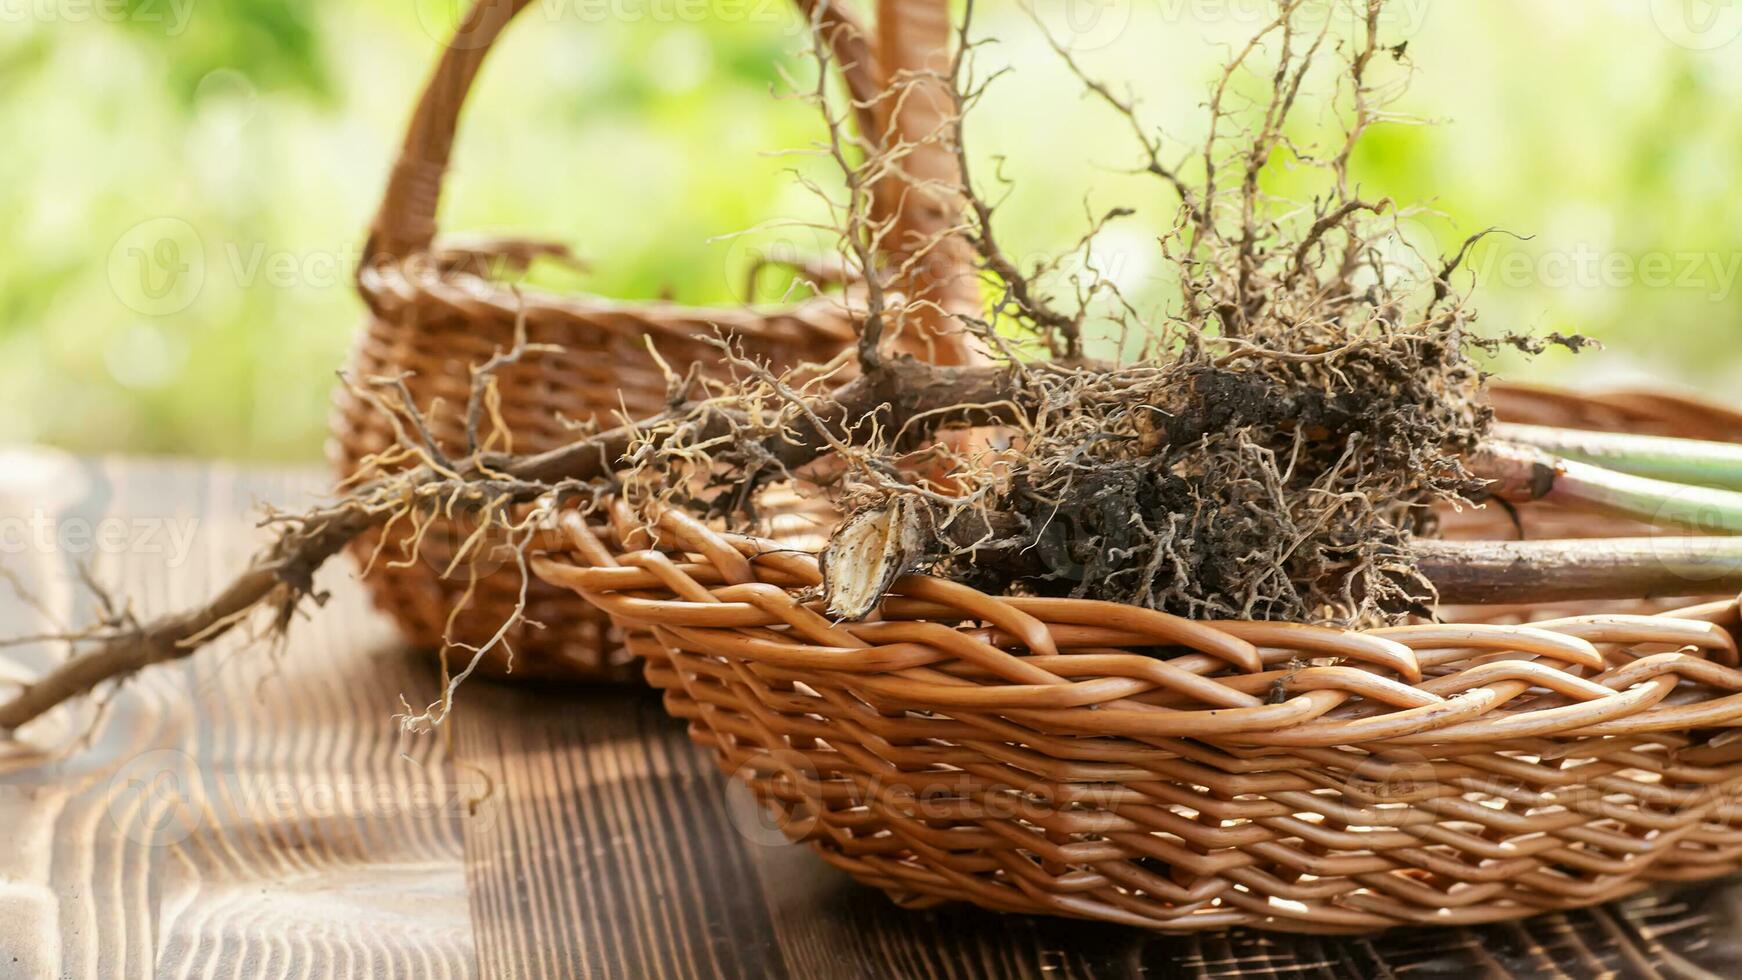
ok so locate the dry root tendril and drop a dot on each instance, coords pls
(1270, 449)
(1276, 444)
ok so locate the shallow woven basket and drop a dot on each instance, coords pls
(1087, 759)
(435, 313)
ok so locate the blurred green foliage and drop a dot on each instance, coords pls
(187, 182)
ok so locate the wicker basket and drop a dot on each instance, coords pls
(434, 313)
(1655, 413)
(1080, 758)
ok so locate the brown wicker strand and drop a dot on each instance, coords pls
(1087, 759)
(433, 318)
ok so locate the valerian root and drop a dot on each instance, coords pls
(277, 578)
(280, 578)
(1272, 443)
(905, 396)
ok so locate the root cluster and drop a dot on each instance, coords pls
(1266, 487)
(1278, 437)
(1268, 443)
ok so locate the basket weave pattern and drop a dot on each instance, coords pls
(1090, 759)
(602, 368)
(433, 317)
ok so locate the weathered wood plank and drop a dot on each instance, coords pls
(239, 814)
(244, 815)
(605, 850)
(831, 926)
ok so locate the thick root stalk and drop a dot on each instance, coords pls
(282, 575)
(172, 637)
(1478, 572)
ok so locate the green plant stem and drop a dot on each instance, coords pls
(1526, 473)
(1690, 461)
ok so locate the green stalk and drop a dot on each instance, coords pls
(1702, 509)
(1524, 473)
(1690, 461)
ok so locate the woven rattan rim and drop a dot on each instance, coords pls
(728, 585)
(400, 271)
(437, 309)
(1185, 775)
(1164, 773)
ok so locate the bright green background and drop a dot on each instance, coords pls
(250, 139)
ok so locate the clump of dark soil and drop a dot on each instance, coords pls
(1275, 483)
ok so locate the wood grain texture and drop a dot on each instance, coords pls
(239, 814)
(249, 815)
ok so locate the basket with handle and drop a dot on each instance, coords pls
(434, 314)
(1082, 758)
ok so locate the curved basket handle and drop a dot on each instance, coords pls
(915, 49)
(406, 222)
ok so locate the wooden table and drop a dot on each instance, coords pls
(256, 813)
